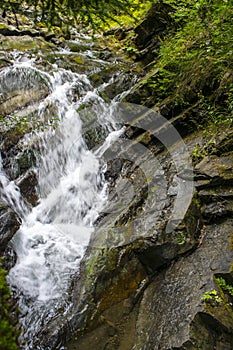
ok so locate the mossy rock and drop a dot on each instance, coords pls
(23, 43)
(8, 331)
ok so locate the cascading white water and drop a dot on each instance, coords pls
(10, 193)
(54, 234)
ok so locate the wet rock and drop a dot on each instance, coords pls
(217, 202)
(173, 301)
(24, 160)
(214, 181)
(23, 43)
(104, 75)
(9, 258)
(216, 194)
(12, 31)
(185, 262)
(96, 79)
(124, 252)
(75, 46)
(210, 332)
(4, 62)
(14, 127)
(186, 121)
(122, 82)
(20, 99)
(75, 61)
(27, 185)
(214, 171)
(155, 23)
(217, 210)
(170, 246)
(141, 94)
(11, 137)
(225, 144)
(9, 225)
(94, 136)
(118, 286)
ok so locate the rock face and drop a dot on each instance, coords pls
(10, 223)
(214, 180)
(148, 295)
(172, 303)
(127, 248)
(180, 294)
(141, 285)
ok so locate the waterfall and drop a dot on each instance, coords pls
(72, 192)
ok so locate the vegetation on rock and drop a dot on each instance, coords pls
(56, 13)
(8, 335)
(191, 66)
(189, 73)
(187, 67)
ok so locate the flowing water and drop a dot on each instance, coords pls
(72, 191)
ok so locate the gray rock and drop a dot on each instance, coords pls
(172, 303)
(27, 185)
(9, 225)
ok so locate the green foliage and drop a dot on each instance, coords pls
(8, 335)
(162, 82)
(224, 286)
(181, 238)
(136, 9)
(212, 296)
(198, 153)
(195, 61)
(207, 147)
(218, 296)
(70, 12)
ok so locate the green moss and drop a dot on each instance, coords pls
(191, 225)
(231, 241)
(8, 334)
(79, 59)
(104, 257)
(196, 200)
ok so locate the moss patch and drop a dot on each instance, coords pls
(8, 334)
